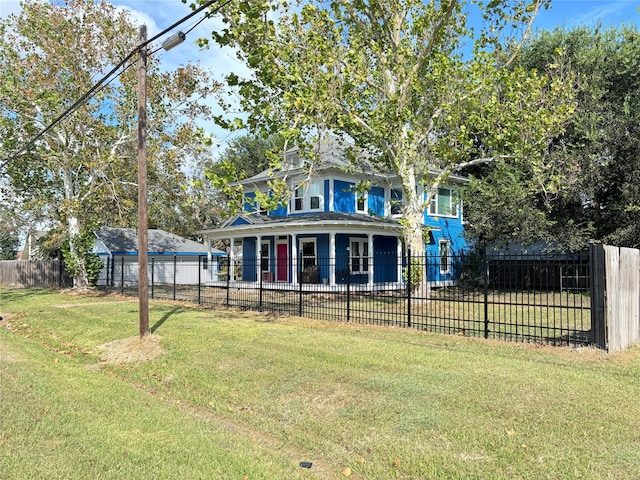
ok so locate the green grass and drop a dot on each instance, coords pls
(238, 395)
(558, 318)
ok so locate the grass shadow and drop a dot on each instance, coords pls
(164, 318)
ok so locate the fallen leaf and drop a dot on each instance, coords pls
(395, 462)
(510, 433)
(346, 472)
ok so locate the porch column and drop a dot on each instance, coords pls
(258, 257)
(232, 260)
(370, 259)
(332, 258)
(294, 259)
(399, 254)
(209, 258)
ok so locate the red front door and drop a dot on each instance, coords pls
(282, 273)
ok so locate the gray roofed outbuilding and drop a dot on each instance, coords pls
(125, 241)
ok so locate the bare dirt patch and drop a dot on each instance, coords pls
(132, 349)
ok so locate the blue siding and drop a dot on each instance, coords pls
(344, 197)
(376, 201)
(239, 221)
(342, 261)
(280, 211)
(249, 262)
(322, 246)
(327, 194)
(450, 229)
(385, 259)
(249, 205)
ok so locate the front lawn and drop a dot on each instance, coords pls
(227, 394)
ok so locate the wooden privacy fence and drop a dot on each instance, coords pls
(618, 270)
(34, 273)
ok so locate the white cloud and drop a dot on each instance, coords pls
(158, 15)
(606, 12)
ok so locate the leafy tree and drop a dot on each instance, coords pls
(245, 156)
(598, 195)
(82, 172)
(408, 81)
(9, 243)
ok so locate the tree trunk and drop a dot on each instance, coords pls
(80, 279)
(413, 220)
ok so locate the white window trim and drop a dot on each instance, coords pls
(454, 205)
(363, 246)
(313, 240)
(365, 197)
(391, 199)
(446, 242)
(306, 197)
(268, 244)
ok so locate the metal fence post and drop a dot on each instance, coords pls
(229, 264)
(153, 271)
(300, 286)
(175, 266)
(122, 275)
(348, 285)
(597, 280)
(259, 273)
(485, 281)
(409, 286)
(199, 278)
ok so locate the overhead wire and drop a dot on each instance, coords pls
(100, 85)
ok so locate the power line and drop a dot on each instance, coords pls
(98, 86)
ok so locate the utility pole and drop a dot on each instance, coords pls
(143, 249)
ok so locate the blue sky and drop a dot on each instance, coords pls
(160, 14)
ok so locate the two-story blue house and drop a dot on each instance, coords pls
(331, 232)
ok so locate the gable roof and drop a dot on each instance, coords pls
(160, 242)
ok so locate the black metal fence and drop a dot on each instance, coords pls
(523, 297)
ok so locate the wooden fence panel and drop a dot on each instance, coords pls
(623, 297)
(33, 273)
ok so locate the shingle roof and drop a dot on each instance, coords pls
(332, 155)
(320, 217)
(125, 240)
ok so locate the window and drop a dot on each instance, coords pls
(361, 202)
(307, 197)
(264, 257)
(308, 250)
(314, 196)
(205, 263)
(359, 255)
(444, 203)
(396, 201)
(444, 252)
(298, 199)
